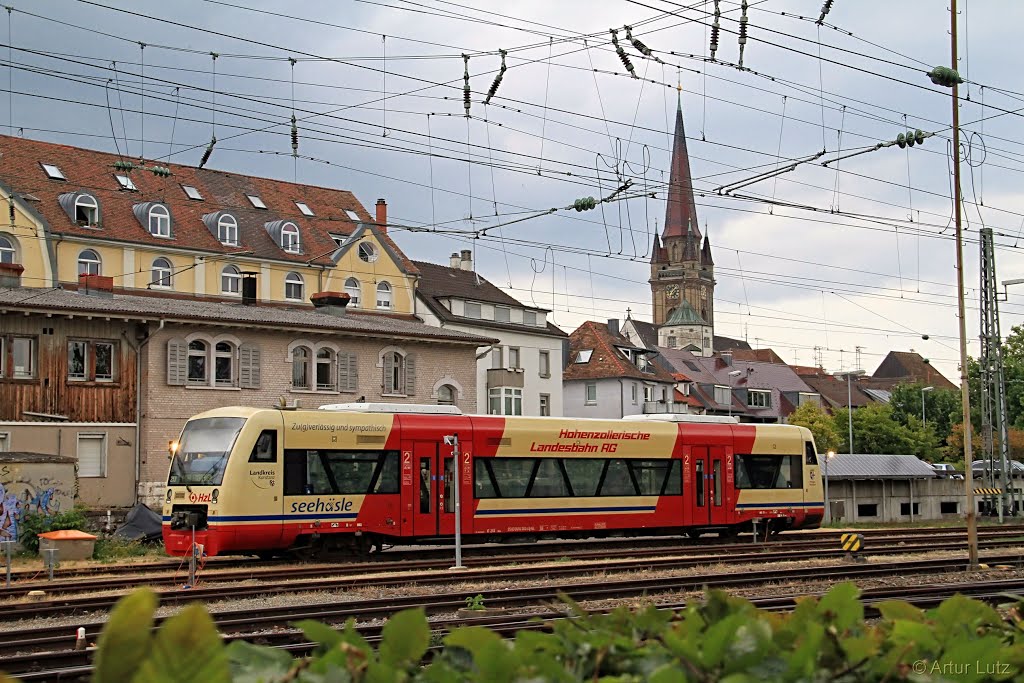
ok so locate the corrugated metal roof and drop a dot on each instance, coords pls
(870, 466)
(880, 395)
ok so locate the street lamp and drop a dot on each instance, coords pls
(849, 397)
(924, 419)
(734, 373)
(828, 511)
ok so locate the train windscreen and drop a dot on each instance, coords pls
(201, 454)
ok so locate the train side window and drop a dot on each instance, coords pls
(796, 477)
(716, 480)
(768, 472)
(385, 479)
(618, 481)
(424, 485)
(484, 483)
(650, 475)
(294, 473)
(449, 479)
(584, 474)
(700, 484)
(810, 456)
(549, 482)
(673, 480)
(514, 475)
(265, 449)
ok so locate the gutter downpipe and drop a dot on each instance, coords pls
(622, 399)
(138, 406)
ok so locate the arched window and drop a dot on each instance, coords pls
(290, 238)
(367, 252)
(383, 295)
(294, 287)
(197, 368)
(230, 280)
(227, 229)
(446, 395)
(224, 364)
(8, 254)
(300, 367)
(325, 370)
(161, 273)
(159, 221)
(87, 211)
(89, 263)
(354, 290)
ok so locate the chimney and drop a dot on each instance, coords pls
(727, 358)
(467, 259)
(566, 353)
(248, 288)
(96, 285)
(613, 326)
(331, 303)
(10, 275)
(382, 215)
(455, 262)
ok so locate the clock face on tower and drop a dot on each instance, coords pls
(672, 291)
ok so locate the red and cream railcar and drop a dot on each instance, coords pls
(247, 480)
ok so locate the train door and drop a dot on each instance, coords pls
(720, 484)
(699, 474)
(433, 503)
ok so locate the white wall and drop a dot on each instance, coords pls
(614, 398)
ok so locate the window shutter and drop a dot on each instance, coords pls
(389, 372)
(348, 372)
(249, 366)
(410, 375)
(90, 455)
(177, 362)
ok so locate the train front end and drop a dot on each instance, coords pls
(195, 505)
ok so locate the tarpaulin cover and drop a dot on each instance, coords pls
(141, 524)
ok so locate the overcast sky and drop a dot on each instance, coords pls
(848, 269)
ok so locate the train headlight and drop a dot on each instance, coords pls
(214, 495)
(167, 498)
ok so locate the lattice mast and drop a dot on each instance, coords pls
(995, 427)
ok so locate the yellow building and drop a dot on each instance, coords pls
(192, 233)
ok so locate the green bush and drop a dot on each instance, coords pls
(30, 526)
(112, 548)
(721, 639)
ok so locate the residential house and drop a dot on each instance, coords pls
(522, 373)
(833, 390)
(696, 381)
(908, 367)
(111, 379)
(607, 376)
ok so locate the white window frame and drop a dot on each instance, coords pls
(90, 206)
(502, 314)
(544, 363)
(308, 358)
(720, 391)
(84, 375)
(354, 289)
(290, 240)
(648, 393)
(162, 276)
(227, 229)
(192, 193)
(232, 355)
(590, 393)
(497, 357)
(256, 201)
(8, 249)
(126, 183)
(386, 303)
(159, 221)
(101, 437)
(92, 264)
(583, 355)
(514, 360)
(191, 353)
(530, 318)
(808, 397)
(325, 356)
(472, 309)
(633, 392)
(509, 401)
(304, 208)
(33, 361)
(231, 274)
(291, 281)
(368, 253)
(545, 405)
(759, 398)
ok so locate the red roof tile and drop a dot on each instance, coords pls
(606, 361)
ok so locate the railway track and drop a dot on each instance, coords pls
(490, 551)
(264, 626)
(775, 551)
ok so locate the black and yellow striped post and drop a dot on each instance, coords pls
(852, 543)
(987, 492)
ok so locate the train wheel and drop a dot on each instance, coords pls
(694, 534)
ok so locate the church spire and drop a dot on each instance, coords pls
(681, 211)
(692, 240)
(705, 252)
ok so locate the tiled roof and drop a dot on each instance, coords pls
(864, 466)
(606, 361)
(184, 310)
(778, 378)
(92, 172)
(908, 367)
(728, 343)
(648, 332)
(762, 355)
(833, 391)
(685, 363)
(438, 282)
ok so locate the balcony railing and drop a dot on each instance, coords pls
(658, 407)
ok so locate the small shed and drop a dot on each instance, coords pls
(33, 484)
(888, 488)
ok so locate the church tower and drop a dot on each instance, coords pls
(682, 269)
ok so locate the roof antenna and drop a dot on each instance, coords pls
(213, 115)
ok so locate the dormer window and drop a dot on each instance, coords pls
(256, 201)
(159, 221)
(87, 211)
(290, 238)
(529, 317)
(53, 173)
(584, 355)
(304, 208)
(126, 183)
(191, 192)
(352, 214)
(502, 314)
(227, 230)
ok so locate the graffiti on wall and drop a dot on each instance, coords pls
(22, 495)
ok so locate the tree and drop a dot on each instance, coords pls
(942, 408)
(875, 431)
(814, 417)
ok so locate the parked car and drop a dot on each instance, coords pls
(980, 468)
(946, 471)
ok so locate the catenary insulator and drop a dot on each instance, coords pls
(743, 31)
(714, 30)
(497, 79)
(824, 10)
(465, 84)
(208, 152)
(295, 137)
(623, 57)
